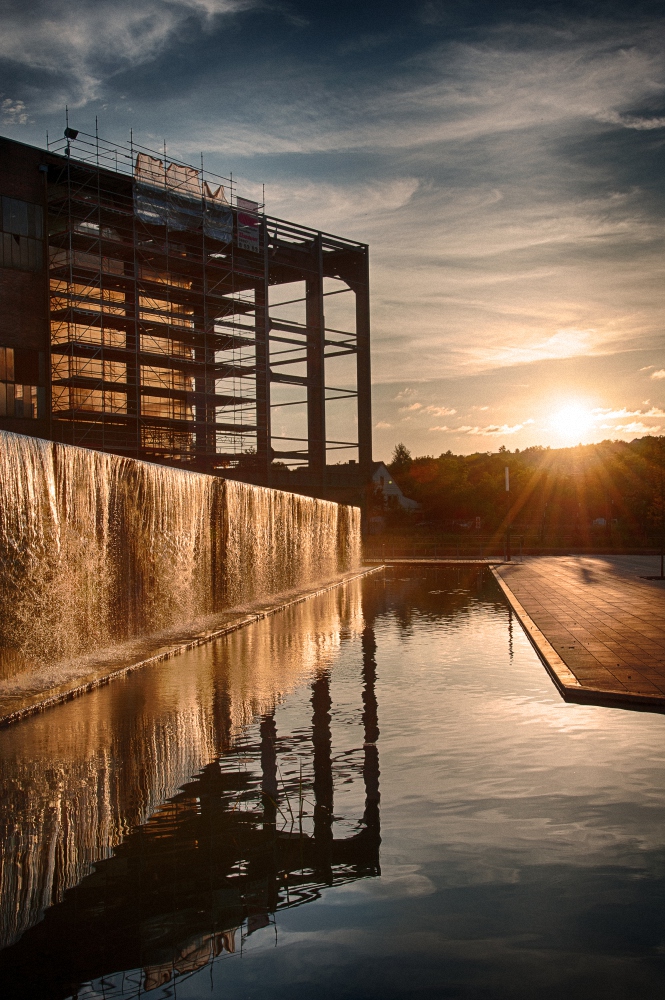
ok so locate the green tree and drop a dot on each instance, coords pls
(401, 460)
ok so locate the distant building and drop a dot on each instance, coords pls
(382, 478)
(384, 483)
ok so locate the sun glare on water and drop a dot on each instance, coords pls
(571, 422)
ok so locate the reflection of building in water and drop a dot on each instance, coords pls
(76, 779)
(214, 863)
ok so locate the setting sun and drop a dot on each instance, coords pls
(571, 422)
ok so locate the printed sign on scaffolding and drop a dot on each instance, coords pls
(249, 226)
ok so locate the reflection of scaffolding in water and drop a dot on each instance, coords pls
(163, 344)
(212, 865)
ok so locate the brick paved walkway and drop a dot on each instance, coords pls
(599, 627)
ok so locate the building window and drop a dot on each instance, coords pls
(165, 408)
(74, 399)
(6, 364)
(21, 237)
(24, 401)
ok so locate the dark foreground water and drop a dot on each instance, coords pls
(376, 794)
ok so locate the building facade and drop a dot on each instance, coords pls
(138, 316)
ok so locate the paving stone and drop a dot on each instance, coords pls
(605, 623)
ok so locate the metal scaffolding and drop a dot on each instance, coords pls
(164, 344)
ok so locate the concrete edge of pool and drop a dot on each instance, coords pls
(38, 702)
(564, 680)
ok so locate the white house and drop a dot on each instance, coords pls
(382, 478)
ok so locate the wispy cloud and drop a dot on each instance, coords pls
(504, 175)
(635, 427)
(608, 414)
(79, 47)
(491, 430)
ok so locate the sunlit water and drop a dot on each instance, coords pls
(377, 793)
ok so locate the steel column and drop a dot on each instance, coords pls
(262, 333)
(364, 371)
(316, 389)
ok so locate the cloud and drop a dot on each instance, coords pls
(83, 45)
(507, 84)
(382, 425)
(13, 112)
(491, 430)
(329, 205)
(636, 427)
(434, 411)
(562, 344)
(440, 411)
(634, 121)
(504, 178)
(623, 413)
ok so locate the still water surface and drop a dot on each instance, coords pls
(377, 793)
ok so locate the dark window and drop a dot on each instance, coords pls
(22, 232)
(26, 366)
(18, 400)
(6, 364)
(22, 218)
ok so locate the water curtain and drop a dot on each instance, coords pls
(96, 549)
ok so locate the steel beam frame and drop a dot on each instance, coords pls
(171, 339)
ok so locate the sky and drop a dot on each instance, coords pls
(504, 161)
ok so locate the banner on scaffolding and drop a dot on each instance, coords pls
(249, 226)
(174, 197)
(180, 213)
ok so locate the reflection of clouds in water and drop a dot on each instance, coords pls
(503, 767)
(396, 882)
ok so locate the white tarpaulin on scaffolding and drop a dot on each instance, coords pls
(173, 197)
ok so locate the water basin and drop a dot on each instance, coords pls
(375, 793)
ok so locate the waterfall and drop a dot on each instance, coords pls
(96, 549)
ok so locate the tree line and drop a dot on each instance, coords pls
(572, 493)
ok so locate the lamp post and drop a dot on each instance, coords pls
(507, 473)
(661, 455)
